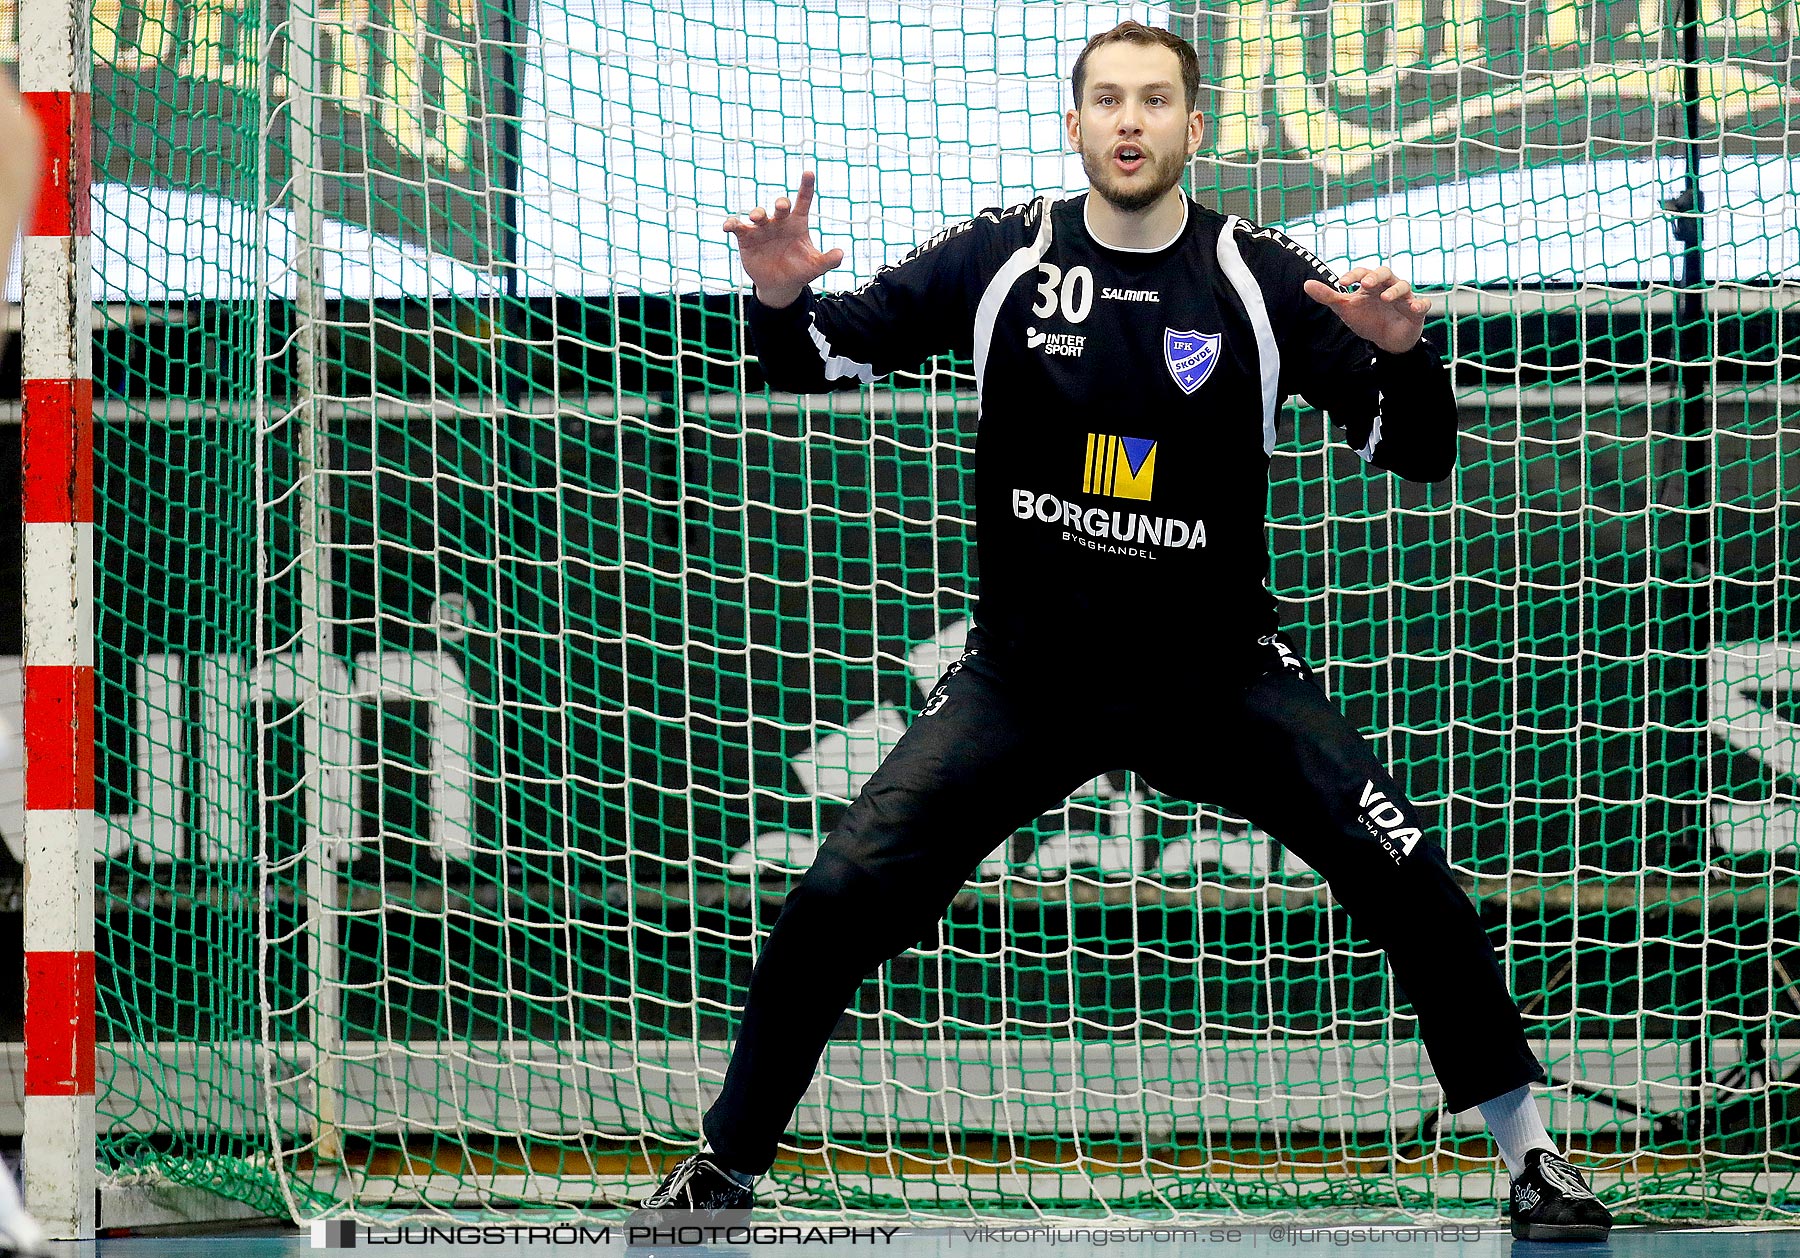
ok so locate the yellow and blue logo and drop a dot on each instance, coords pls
(1119, 467)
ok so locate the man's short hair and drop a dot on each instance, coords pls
(1138, 33)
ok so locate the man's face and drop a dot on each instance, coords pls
(1132, 125)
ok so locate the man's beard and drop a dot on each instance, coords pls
(1147, 186)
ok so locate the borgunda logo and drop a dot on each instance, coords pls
(1107, 528)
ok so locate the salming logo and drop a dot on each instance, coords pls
(1382, 818)
(1563, 1177)
(1284, 653)
(1293, 246)
(934, 703)
(1119, 467)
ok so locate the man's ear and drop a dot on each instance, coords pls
(1196, 132)
(1072, 128)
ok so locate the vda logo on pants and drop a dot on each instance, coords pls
(1382, 818)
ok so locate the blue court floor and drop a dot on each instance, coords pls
(1362, 1240)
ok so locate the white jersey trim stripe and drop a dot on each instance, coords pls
(838, 367)
(994, 295)
(1268, 354)
(1367, 453)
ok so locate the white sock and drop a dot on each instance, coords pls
(1516, 1126)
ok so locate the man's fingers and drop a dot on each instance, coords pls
(1397, 290)
(1353, 276)
(782, 206)
(1324, 294)
(758, 215)
(831, 259)
(803, 198)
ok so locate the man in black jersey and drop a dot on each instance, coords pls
(1132, 352)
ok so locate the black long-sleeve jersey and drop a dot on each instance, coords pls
(1128, 409)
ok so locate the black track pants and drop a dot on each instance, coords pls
(996, 744)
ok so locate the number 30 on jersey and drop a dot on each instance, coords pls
(1073, 293)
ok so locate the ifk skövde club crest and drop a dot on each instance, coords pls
(1191, 356)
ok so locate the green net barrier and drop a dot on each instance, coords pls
(483, 650)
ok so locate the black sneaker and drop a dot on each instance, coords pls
(1551, 1202)
(698, 1192)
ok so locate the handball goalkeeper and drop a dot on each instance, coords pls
(1133, 351)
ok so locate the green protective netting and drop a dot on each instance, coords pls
(482, 648)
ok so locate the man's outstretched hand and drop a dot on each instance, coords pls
(777, 249)
(1383, 310)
